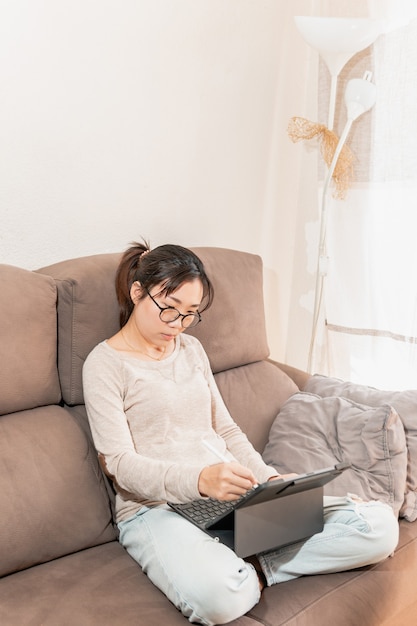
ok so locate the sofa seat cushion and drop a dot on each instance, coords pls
(100, 586)
(311, 432)
(54, 500)
(103, 586)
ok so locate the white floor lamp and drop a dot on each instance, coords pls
(338, 40)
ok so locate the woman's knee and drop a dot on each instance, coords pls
(227, 596)
(389, 533)
(384, 531)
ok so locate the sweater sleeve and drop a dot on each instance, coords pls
(236, 442)
(142, 478)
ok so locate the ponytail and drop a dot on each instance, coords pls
(125, 277)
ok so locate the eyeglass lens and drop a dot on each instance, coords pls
(187, 321)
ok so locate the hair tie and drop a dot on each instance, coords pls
(144, 253)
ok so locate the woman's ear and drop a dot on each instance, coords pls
(135, 291)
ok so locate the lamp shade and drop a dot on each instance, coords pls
(338, 39)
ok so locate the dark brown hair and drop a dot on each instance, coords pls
(168, 265)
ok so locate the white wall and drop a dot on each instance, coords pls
(161, 118)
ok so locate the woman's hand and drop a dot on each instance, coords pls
(225, 481)
(283, 476)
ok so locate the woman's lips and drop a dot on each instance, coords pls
(167, 337)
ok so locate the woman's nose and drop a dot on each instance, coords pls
(176, 323)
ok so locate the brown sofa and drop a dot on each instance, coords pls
(61, 563)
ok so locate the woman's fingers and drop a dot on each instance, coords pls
(226, 481)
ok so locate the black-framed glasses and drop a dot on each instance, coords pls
(169, 314)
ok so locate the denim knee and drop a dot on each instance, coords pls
(227, 596)
(384, 530)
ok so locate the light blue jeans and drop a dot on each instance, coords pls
(211, 585)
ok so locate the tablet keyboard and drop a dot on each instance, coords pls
(205, 512)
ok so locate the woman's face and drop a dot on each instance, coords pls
(186, 299)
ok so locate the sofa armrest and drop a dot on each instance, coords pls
(298, 376)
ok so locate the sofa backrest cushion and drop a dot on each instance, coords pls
(232, 331)
(54, 500)
(29, 375)
(87, 314)
(254, 394)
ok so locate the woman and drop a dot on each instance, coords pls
(152, 400)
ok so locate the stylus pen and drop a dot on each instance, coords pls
(219, 455)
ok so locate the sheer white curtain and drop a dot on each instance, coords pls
(368, 329)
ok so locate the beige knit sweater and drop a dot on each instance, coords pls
(148, 419)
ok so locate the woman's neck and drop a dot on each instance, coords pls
(135, 343)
